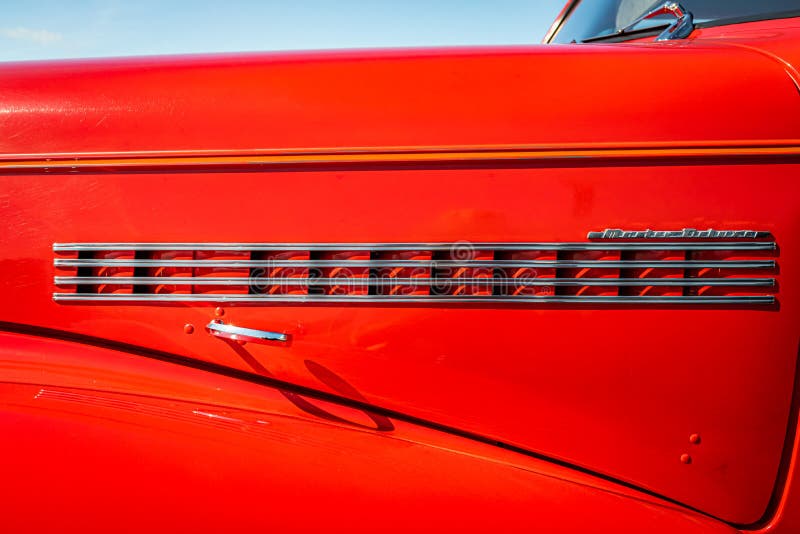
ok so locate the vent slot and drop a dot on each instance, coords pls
(604, 265)
(414, 280)
(701, 271)
(276, 275)
(526, 281)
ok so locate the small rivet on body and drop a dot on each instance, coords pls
(686, 459)
(219, 312)
(694, 439)
(188, 328)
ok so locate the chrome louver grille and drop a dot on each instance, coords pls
(641, 272)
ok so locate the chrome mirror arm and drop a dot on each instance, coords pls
(680, 29)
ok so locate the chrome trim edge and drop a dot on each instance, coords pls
(241, 281)
(422, 299)
(496, 264)
(263, 247)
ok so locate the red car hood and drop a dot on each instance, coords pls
(538, 95)
(202, 452)
(565, 102)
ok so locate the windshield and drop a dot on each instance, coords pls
(597, 18)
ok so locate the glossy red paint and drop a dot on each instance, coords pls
(614, 391)
(536, 377)
(537, 95)
(100, 439)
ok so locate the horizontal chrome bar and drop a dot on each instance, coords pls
(260, 247)
(488, 264)
(416, 299)
(242, 281)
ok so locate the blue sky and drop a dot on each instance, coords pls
(89, 28)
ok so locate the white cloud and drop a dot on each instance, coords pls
(42, 37)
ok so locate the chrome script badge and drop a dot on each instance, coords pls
(686, 233)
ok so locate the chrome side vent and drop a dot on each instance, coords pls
(700, 271)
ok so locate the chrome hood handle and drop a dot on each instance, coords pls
(247, 335)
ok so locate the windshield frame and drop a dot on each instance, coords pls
(654, 30)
